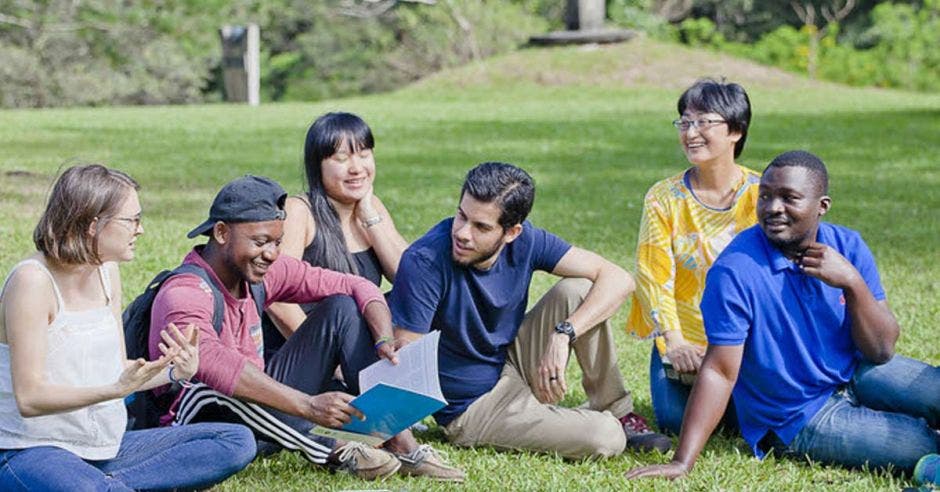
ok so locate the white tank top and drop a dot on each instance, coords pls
(83, 348)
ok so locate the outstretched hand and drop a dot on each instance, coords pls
(137, 372)
(185, 346)
(671, 471)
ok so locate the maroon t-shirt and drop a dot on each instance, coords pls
(185, 299)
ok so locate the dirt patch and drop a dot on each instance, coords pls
(20, 188)
(641, 62)
(16, 173)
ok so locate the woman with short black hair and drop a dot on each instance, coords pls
(687, 221)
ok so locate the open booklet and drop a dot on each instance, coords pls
(394, 397)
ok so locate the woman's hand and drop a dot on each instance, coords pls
(365, 207)
(137, 372)
(186, 347)
(685, 357)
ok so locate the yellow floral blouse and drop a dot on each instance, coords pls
(679, 240)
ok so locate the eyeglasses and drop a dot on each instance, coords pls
(684, 125)
(133, 222)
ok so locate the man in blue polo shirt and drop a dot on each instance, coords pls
(795, 307)
(502, 369)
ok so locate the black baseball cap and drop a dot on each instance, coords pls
(246, 199)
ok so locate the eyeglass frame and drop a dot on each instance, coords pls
(697, 124)
(133, 221)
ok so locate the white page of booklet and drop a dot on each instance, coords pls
(416, 370)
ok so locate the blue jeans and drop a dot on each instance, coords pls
(190, 456)
(670, 397)
(884, 417)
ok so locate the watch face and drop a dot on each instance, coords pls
(566, 328)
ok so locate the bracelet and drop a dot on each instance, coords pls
(371, 221)
(169, 375)
(382, 339)
(173, 381)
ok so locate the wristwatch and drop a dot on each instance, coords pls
(566, 328)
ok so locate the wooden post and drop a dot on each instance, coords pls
(584, 20)
(585, 15)
(241, 63)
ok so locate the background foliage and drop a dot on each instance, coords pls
(592, 125)
(98, 52)
(898, 46)
(93, 52)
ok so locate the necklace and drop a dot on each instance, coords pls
(721, 198)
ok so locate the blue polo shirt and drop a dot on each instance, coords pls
(798, 346)
(477, 312)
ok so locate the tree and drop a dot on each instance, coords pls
(66, 52)
(373, 8)
(833, 14)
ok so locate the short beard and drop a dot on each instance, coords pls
(233, 267)
(792, 248)
(482, 258)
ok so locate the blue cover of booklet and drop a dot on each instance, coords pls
(397, 396)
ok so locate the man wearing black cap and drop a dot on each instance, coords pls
(283, 397)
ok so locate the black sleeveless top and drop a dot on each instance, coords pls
(367, 263)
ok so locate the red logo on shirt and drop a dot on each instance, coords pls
(842, 299)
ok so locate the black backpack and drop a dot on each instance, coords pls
(143, 407)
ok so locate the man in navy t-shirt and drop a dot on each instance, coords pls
(502, 369)
(800, 335)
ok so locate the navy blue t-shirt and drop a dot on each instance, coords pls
(478, 312)
(795, 329)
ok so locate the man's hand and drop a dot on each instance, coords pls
(874, 327)
(401, 342)
(331, 409)
(186, 347)
(828, 265)
(671, 471)
(551, 385)
(685, 357)
(388, 350)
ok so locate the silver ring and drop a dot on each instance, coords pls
(553, 378)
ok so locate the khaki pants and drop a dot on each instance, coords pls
(509, 416)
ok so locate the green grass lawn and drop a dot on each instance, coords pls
(593, 145)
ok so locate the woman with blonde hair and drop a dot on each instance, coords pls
(63, 370)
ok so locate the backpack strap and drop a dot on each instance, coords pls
(259, 295)
(257, 292)
(218, 308)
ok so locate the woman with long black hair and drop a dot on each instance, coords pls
(340, 224)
